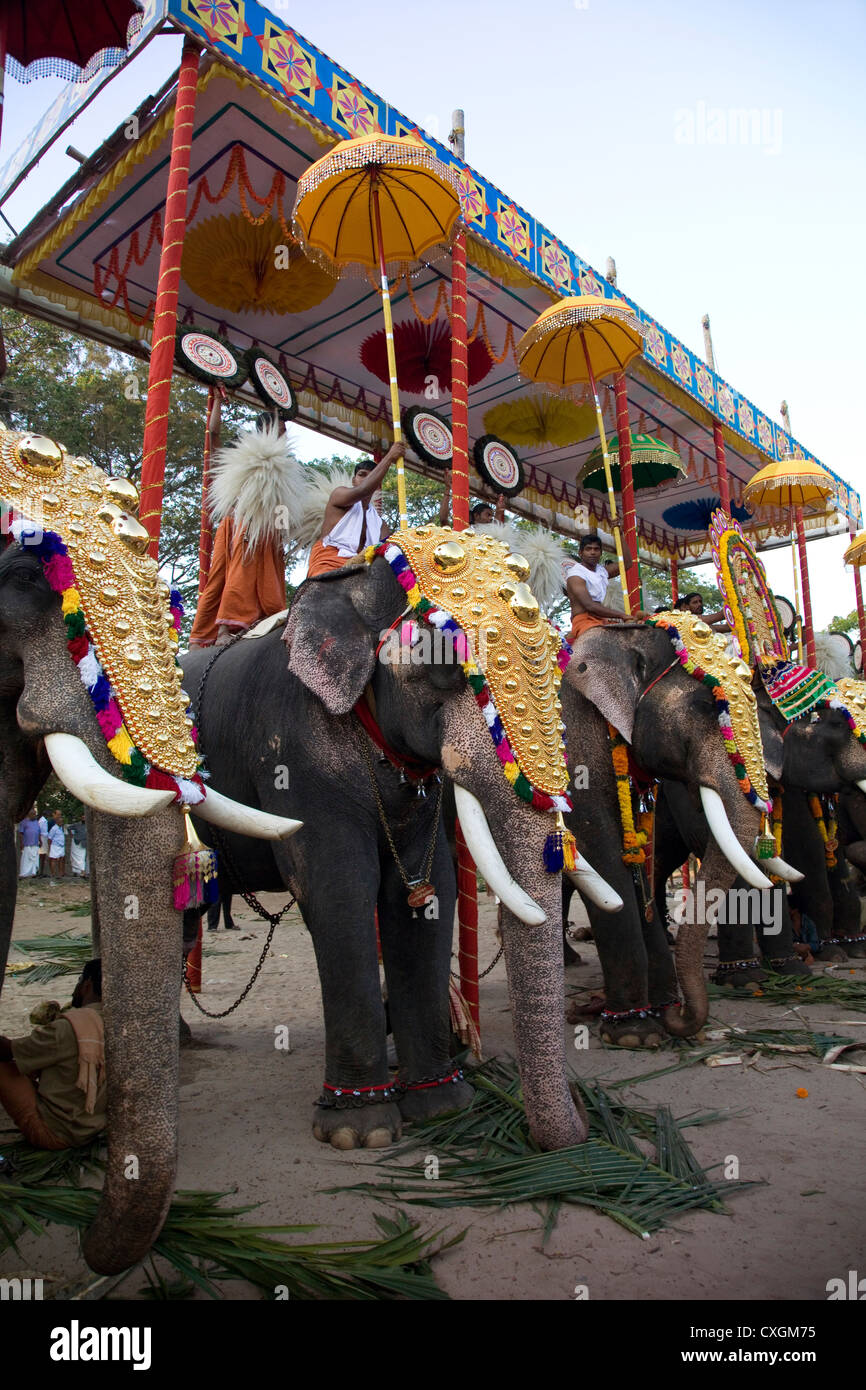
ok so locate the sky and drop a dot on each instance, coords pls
(604, 119)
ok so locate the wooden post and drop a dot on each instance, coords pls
(858, 594)
(629, 520)
(165, 311)
(675, 579)
(205, 535)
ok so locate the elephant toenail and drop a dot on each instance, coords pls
(344, 1138)
(378, 1139)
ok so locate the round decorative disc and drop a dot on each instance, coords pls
(429, 436)
(499, 465)
(785, 609)
(272, 386)
(857, 658)
(210, 359)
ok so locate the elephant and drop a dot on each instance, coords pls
(47, 718)
(624, 675)
(278, 727)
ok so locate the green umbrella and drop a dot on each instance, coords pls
(652, 462)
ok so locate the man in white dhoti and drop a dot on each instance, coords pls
(28, 834)
(351, 523)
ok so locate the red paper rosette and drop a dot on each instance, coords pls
(423, 350)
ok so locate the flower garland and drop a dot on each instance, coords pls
(58, 570)
(438, 618)
(633, 840)
(827, 828)
(723, 710)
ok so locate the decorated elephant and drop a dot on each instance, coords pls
(631, 708)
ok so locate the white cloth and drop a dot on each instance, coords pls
(596, 580)
(29, 861)
(56, 842)
(346, 537)
(77, 858)
(43, 835)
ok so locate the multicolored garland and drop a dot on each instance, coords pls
(827, 827)
(723, 711)
(633, 840)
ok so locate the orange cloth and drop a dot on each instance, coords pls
(242, 587)
(18, 1097)
(324, 558)
(582, 622)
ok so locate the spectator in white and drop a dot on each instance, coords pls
(28, 839)
(43, 846)
(78, 848)
(56, 846)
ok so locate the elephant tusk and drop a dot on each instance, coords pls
(862, 784)
(590, 883)
(482, 847)
(79, 771)
(723, 834)
(243, 820)
(782, 870)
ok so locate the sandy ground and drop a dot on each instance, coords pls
(245, 1125)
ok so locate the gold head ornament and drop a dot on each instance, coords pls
(124, 602)
(482, 585)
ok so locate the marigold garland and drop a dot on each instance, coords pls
(723, 709)
(633, 840)
(438, 618)
(827, 827)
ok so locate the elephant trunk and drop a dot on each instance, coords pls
(141, 974)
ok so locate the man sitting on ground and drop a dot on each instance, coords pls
(351, 523)
(64, 1104)
(586, 587)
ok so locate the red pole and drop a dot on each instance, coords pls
(467, 913)
(165, 312)
(721, 469)
(675, 579)
(629, 520)
(858, 594)
(808, 630)
(459, 386)
(205, 535)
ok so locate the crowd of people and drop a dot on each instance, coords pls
(47, 847)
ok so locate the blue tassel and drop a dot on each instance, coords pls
(554, 856)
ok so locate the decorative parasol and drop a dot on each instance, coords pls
(652, 462)
(695, 516)
(540, 419)
(371, 201)
(423, 351)
(249, 267)
(59, 38)
(583, 339)
(856, 552)
(791, 484)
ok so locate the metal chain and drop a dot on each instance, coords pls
(274, 920)
(495, 961)
(428, 865)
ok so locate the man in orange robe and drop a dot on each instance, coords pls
(350, 522)
(245, 583)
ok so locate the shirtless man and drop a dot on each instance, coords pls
(350, 523)
(586, 588)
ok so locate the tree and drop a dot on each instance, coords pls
(844, 624)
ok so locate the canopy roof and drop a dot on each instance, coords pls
(269, 104)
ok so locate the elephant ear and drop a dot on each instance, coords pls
(609, 668)
(332, 649)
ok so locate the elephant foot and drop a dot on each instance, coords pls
(184, 1033)
(425, 1099)
(631, 1028)
(569, 955)
(831, 951)
(853, 946)
(739, 974)
(373, 1125)
(787, 965)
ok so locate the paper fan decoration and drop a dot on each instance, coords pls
(499, 465)
(244, 268)
(540, 419)
(695, 516)
(423, 351)
(429, 436)
(271, 385)
(210, 359)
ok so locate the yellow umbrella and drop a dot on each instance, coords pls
(792, 483)
(584, 339)
(856, 552)
(371, 201)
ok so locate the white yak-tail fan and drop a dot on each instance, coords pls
(543, 551)
(261, 485)
(318, 486)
